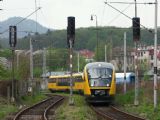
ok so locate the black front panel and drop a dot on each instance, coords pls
(99, 92)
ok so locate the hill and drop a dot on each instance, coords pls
(26, 25)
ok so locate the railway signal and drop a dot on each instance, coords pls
(136, 28)
(71, 31)
(70, 42)
(12, 42)
(12, 36)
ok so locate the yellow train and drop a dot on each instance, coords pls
(99, 82)
(62, 82)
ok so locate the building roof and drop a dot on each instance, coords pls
(87, 53)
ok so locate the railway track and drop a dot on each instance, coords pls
(41, 111)
(112, 113)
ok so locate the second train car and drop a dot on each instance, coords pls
(99, 82)
(62, 82)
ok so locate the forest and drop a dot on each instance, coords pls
(86, 38)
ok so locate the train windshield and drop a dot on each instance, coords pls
(100, 76)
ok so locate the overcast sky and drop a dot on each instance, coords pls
(54, 13)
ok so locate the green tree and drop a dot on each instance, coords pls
(5, 53)
(57, 59)
(82, 62)
(4, 73)
(100, 56)
(143, 69)
(23, 72)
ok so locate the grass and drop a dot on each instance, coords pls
(6, 108)
(79, 111)
(30, 100)
(145, 108)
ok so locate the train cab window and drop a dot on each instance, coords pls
(100, 76)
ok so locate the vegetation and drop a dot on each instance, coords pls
(57, 59)
(22, 70)
(4, 73)
(5, 53)
(145, 108)
(58, 54)
(80, 110)
(30, 100)
(7, 108)
(85, 38)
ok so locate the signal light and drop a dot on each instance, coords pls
(12, 36)
(136, 28)
(71, 30)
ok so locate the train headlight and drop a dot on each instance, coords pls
(107, 85)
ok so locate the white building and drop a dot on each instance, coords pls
(146, 53)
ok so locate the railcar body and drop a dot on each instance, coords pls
(62, 82)
(99, 82)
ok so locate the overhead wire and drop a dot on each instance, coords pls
(150, 3)
(118, 15)
(22, 19)
(149, 30)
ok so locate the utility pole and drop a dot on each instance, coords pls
(71, 102)
(49, 59)
(78, 61)
(105, 52)
(96, 35)
(44, 68)
(13, 42)
(30, 89)
(18, 59)
(124, 62)
(155, 56)
(18, 54)
(70, 42)
(136, 102)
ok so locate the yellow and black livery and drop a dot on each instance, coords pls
(62, 82)
(99, 82)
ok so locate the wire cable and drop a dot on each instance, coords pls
(22, 20)
(149, 3)
(118, 14)
(149, 30)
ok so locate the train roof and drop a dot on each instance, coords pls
(99, 64)
(66, 76)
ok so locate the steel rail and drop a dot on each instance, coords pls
(129, 114)
(18, 115)
(101, 114)
(49, 107)
(113, 113)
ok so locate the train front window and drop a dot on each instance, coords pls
(99, 76)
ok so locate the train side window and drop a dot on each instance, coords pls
(132, 79)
